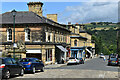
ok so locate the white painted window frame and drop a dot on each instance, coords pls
(26, 36)
(8, 36)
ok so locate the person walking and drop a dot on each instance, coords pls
(104, 58)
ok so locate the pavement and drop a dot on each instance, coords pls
(55, 66)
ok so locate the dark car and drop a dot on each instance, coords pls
(81, 61)
(32, 64)
(8, 67)
(119, 61)
(112, 61)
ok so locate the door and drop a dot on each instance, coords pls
(17, 67)
(75, 54)
(36, 62)
(10, 65)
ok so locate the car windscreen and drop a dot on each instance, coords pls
(113, 59)
(25, 60)
(1, 61)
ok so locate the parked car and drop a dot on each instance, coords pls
(81, 61)
(32, 64)
(102, 56)
(8, 67)
(73, 60)
(112, 61)
(118, 61)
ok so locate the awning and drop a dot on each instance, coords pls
(75, 49)
(89, 51)
(62, 48)
(33, 51)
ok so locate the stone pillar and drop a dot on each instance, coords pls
(43, 54)
(53, 56)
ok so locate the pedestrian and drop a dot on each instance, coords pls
(104, 58)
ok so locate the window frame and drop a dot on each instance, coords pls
(9, 34)
(27, 35)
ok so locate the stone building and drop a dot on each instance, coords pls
(40, 37)
(80, 40)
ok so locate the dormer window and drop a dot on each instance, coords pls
(27, 35)
(9, 35)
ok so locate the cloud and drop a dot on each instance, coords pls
(90, 12)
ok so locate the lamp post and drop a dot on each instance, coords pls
(14, 14)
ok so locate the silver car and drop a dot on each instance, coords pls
(73, 60)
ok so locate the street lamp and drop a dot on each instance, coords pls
(14, 14)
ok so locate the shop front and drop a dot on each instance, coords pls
(77, 52)
(34, 53)
(60, 54)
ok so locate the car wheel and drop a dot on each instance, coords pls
(7, 74)
(21, 72)
(33, 70)
(42, 70)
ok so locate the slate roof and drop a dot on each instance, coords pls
(21, 17)
(26, 17)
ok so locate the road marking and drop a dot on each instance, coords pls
(101, 75)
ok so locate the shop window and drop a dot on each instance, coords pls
(75, 42)
(9, 35)
(27, 35)
(48, 54)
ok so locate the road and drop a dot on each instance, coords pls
(94, 68)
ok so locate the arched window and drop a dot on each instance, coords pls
(75, 42)
(9, 35)
(27, 35)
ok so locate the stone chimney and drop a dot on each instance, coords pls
(35, 7)
(52, 17)
(69, 23)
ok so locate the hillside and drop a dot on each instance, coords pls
(105, 38)
(101, 26)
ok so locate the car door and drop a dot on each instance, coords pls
(17, 67)
(9, 65)
(37, 63)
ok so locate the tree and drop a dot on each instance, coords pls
(98, 44)
(93, 23)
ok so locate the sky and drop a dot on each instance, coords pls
(74, 12)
